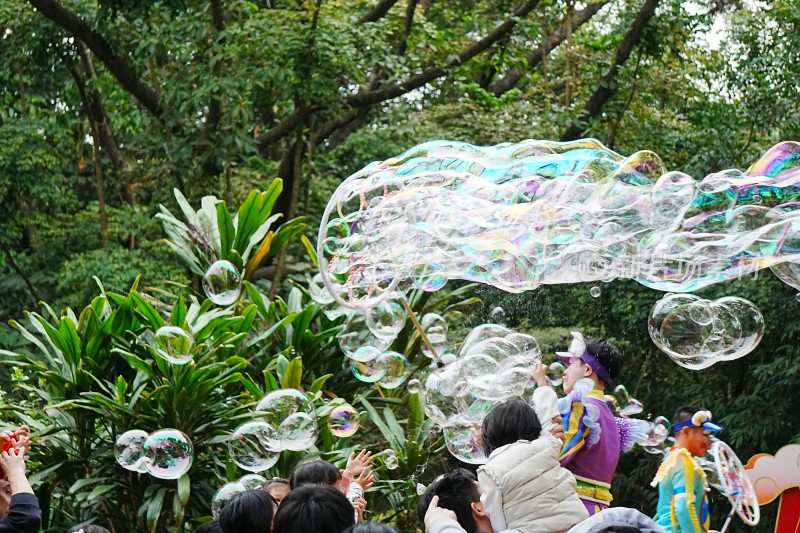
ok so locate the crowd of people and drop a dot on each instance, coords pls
(549, 469)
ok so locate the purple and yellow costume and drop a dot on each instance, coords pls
(594, 440)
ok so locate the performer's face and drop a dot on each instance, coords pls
(576, 370)
(697, 441)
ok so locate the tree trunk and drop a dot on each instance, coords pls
(608, 83)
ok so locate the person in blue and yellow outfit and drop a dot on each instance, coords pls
(682, 486)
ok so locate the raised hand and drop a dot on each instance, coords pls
(357, 463)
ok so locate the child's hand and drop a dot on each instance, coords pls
(366, 478)
(359, 504)
(558, 428)
(540, 374)
(13, 463)
(357, 463)
(436, 513)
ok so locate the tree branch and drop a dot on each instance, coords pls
(115, 64)
(510, 80)
(367, 98)
(16, 268)
(378, 11)
(608, 83)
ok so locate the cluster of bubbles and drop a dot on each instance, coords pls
(493, 364)
(283, 420)
(231, 489)
(222, 283)
(343, 420)
(697, 333)
(622, 404)
(390, 460)
(165, 454)
(387, 369)
(517, 216)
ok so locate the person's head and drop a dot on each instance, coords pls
(507, 423)
(314, 509)
(249, 511)
(370, 527)
(317, 472)
(693, 429)
(5, 495)
(458, 491)
(209, 527)
(277, 488)
(596, 359)
(93, 529)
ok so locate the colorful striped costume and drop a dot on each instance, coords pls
(682, 500)
(594, 440)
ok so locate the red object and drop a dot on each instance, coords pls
(789, 512)
(8, 445)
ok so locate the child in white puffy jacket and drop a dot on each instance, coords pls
(524, 486)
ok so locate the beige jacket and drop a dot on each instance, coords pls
(525, 488)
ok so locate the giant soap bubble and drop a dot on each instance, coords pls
(174, 344)
(519, 215)
(697, 333)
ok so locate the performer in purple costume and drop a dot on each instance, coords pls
(594, 437)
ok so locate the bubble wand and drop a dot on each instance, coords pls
(421, 331)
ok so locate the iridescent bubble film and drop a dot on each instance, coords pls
(129, 451)
(386, 319)
(390, 459)
(224, 495)
(435, 328)
(250, 444)
(174, 344)
(290, 413)
(343, 420)
(222, 283)
(252, 481)
(519, 215)
(169, 452)
(696, 333)
(626, 405)
(555, 373)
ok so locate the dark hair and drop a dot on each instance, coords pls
(314, 509)
(211, 526)
(685, 413)
(317, 472)
(457, 491)
(274, 481)
(507, 423)
(607, 354)
(370, 527)
(249, 511)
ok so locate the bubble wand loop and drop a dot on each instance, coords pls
(421, 331)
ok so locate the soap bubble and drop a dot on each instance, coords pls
(222, 283)
(169, 453)
(223, 496)
(421, 489)
(555, 373)
(252, 446)
(174, 344)
(462, 438)
(413, 386)
(521, 215)
(365, 354)
(386, 319)
(390, 459)
(356, 335)
(394, 365)
(292, 416)
(368, 372)
(435, 328)
(626, 405)
(697, 333)
(657, 433)
(252, 481)
(343, 420)
(595, 291)
(498, 316)
(129, 451)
